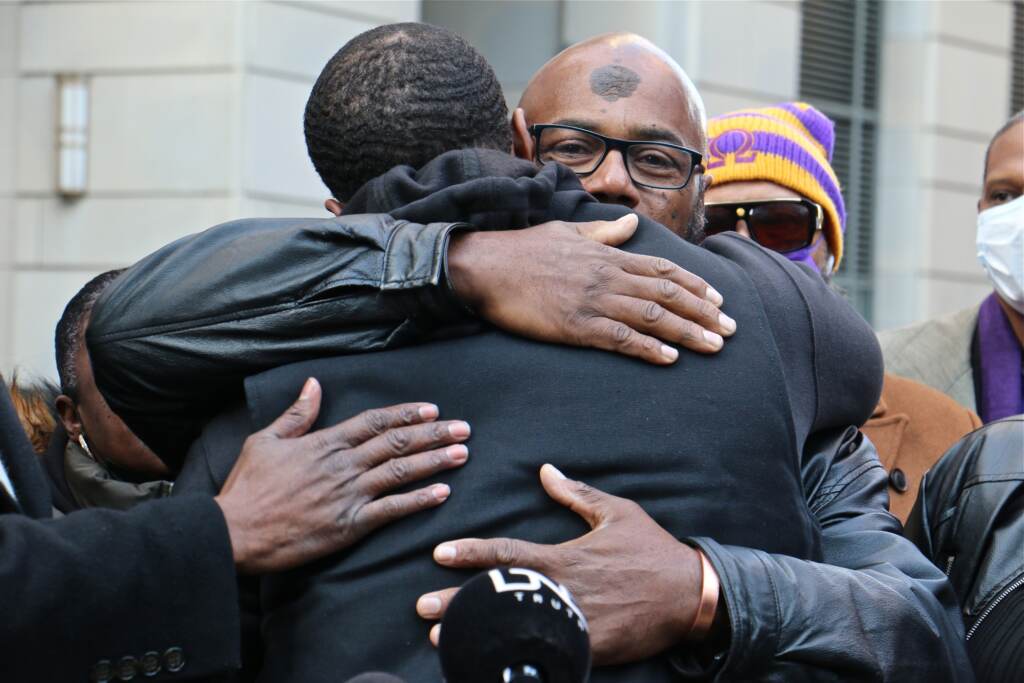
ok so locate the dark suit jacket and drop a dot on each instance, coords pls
(99, 592)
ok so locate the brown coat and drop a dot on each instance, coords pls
(912, 426)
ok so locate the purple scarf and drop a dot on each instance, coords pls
(804, 256)
(999, 363)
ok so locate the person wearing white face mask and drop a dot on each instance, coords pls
(967, 517)
(974, 355)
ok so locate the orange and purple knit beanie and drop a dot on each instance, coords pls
(789, 144)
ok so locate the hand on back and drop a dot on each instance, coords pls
(295, 496)
(567, 283)
(638, 586)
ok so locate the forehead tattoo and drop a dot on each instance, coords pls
(612, 82)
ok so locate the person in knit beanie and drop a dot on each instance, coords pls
(782, 152)
(773, 183)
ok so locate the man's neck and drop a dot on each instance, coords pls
(1015, 318)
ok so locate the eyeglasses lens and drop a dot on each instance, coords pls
(659, 165)
(720, 218)
(575, 149)
(779, 226)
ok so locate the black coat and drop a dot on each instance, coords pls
(729, 451)
(98, 593)
(969, 519)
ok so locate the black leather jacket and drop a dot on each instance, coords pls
(173, 338)
(166, 340)
(872, 610)
(969, 519)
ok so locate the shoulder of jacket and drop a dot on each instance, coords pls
(900, 391)
(1004, 437)
(951, 328)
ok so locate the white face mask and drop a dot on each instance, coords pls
(1001, 250)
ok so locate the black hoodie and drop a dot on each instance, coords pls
(485, 188)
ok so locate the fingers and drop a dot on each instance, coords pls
(377, 513)
(434, 605)
(593, 505)
(435, 635)
(661, 268)
(475, 553)
(612, 233)
(612, 335)
(371, 423)
(398, 472)
(642, 306)
(300, 416)
(672, 297)
(649, 317)
(402, 441)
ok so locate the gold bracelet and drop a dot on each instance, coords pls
(708, 605)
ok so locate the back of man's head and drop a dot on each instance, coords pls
(71, 329)
(401, 94)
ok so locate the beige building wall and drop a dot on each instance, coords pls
(8, 139)
(196, 119)
(739, 52)
(945, 91)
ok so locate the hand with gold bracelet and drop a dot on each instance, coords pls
(642, 590)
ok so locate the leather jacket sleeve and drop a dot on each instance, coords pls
(167, 348)
(873, 609)
(968, 520)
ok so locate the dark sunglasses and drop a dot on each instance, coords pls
(776, 224)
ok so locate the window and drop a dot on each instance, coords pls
(839, 62)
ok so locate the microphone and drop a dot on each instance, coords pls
(514, 626)
(375, 677)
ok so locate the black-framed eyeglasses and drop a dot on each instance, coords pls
(658, 165)
(781, 225)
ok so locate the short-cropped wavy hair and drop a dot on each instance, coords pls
(401, 94)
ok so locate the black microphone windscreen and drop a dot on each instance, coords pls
(510, 617)
(375, 677)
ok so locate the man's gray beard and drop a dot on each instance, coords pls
(695, 226)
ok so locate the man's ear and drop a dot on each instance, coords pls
(707, 181)
(69, 416)
(334, 206)
(522, 141)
